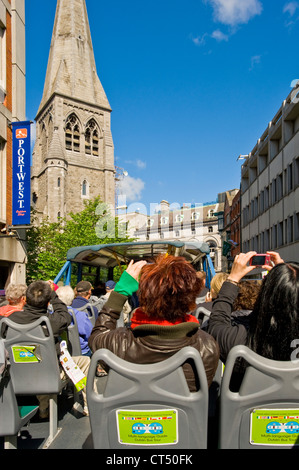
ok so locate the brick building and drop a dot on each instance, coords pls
(12, 109)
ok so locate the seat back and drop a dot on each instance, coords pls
(264, 412)
(148, 405)
(73, 335)
(10, 419)
(89, 309)
(10, 422)
(33, 356)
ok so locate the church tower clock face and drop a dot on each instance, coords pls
(73, 156)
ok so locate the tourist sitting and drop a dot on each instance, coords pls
(81, 301)
(39, 295)
(66, 294)
(15, 295)
(161, 326)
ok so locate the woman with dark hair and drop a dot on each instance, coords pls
(274, 320)
(161, 326)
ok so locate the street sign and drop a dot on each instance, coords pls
(21, 193)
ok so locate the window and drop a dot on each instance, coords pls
(58, 182)
(274, 192)
(290, 180)
(211, 213)
(179, 218)
(210, 230)
(266, 198)
(296, 226)
(72, 133)
(195, 216)
(164, 220)
(279, 186)
(297, 172)
(280, 234)
(92, 138)
(290, 229)
(274, 236)
(85, 189)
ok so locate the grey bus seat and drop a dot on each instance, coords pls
(13, 417)
(73, 335)
(42, 375)
(91, 312)
(264, 412)
(148, 405)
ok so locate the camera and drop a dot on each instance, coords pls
(260, 260)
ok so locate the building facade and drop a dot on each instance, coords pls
(229, 227)
(270, 186)
(73, 157)
(12, 109)
(186, 223)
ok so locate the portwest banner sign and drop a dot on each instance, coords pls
(21, 193)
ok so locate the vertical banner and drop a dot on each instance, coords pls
(21, 192)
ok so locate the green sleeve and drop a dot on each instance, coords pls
(127, 285)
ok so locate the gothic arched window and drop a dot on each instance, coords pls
(84, 188)
(92, 138)
(72, 133)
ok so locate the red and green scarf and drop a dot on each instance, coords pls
(140, 318)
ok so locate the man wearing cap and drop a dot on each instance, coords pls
(83, 293)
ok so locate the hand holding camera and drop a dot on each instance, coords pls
(244, 263)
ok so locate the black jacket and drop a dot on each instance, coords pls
(227, 332)
(60, 319)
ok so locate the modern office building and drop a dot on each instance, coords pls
(270, 186)
(12, 109)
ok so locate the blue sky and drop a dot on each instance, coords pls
(192, 85)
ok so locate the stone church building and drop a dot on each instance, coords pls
(73, 157)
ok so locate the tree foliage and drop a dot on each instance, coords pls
(48, 242)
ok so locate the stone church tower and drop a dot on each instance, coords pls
(73, 157)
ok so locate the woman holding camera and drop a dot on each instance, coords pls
(273, 322)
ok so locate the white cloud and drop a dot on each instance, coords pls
(255, 60)
(219, 36)
(291, 8)
(131, 188)
(200, 40)
(235, 12)
(139, 163)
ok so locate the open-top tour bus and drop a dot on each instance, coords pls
(90, 261)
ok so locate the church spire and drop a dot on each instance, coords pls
(73, 156)
(71, 70)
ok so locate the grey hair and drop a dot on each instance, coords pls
(66, 294)
(14, 292)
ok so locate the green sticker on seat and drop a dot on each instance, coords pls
(25, 354)
(147, 427)
(274, 427)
